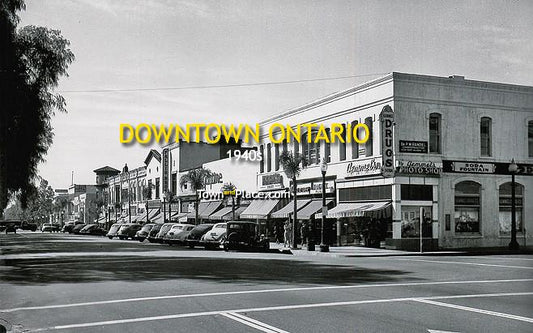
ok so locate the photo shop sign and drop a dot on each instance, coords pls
(425, 168)
(387, 141)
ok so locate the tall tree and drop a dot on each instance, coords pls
(32, 60)
(292, 165)
(196, 178)
(230, 189)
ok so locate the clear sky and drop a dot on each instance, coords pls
(131, 44)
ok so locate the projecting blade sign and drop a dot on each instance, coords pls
(387, 141)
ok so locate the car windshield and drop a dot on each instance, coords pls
(114, 227)
(147, 227)
(220, 226)
(177, 227)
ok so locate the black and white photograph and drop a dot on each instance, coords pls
(266, 166)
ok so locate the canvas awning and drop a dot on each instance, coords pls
(225, 214)
(355, 209)
(289, 209)
(313, 208)
(201, 207)
(210, 209)
(260, 209)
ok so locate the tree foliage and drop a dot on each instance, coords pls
(196, 178)
(32, 60)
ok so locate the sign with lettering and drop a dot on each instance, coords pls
(363, 168)
(415, 147)
(164, 165)
(271, 182)
(387, 141)
(497, 168)
(215, 178)
(315, 187)
(425, 168)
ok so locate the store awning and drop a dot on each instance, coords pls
(354, 209)
(201, 207)
(313, 208)
(260, 209)
(289, 209)
(210, 209)
(225, 214)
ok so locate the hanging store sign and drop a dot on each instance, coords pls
(271, 182)
(486, 168)
(164, 164)
(315, 187)
(425, 168)
(415, 147)
(363, 168)
(387, 141)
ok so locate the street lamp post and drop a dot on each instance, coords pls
(513, 168)
(323, 168)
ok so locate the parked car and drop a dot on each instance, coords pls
(142, 234)
(28, 226)
(213, 238)
(47, 227)
(69, 225)
(193, 238)
(244, 236)
(9, 228)
(113, 230)
(178, 233)
(77, 228)
(153, 233)
(163, 231)
(128, 230)
(92, 229)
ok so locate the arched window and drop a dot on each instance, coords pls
(435, 133)
(486, 136)
(505, 203)
(368, 145)
(467, 206)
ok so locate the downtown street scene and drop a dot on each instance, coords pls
(244, 166)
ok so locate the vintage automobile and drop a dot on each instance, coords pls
(153, 233)
(128, 230)
(92, 229)
(26, 225)
(142, 234)
(242, 235)
(193, 238)
(77, 228)
(177, 234)
(214, 237)
(47, 227)
(159, 238)
(113, 230)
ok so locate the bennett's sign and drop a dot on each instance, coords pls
(363, 168)
(419, 168)
(387, 141)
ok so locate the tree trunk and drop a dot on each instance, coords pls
(196, 208)
(295, 217)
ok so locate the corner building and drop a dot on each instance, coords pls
(446, 177)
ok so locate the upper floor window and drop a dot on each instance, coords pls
(355, 145)
(268, 157)
(305, 146)
(314, 149)
(276, 157)
(368, 145)
(435, 133)
(327, 148)
(530, 138)
(157, 185)
(262, 161)
(485, 136)
(342, 145)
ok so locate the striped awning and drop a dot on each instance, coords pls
(210, 209)
(355, 209)
(289, 209)
(201, 207)
(260, 209)
(225, 214)
(313, 208)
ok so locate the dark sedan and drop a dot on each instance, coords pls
(92, 229)
(142, 234)
(128, 230)
(193, 239)
(153, 233)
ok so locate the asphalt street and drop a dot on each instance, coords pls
(70, 283)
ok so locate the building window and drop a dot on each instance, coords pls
(505, 204)
(411, 222)
(314, 149)
(368, 145)
(276, 157)
(485, 136)
(296, 147)
(355, 145)
(174, 185)
(305, 147)
(342, 145)
(157, 183)
(149, 197)
(268, 157)
(467, 206)
(434, 133)
(327, 148)
(284, 146)
(262, 160)
(530, 138)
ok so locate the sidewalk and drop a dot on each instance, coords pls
(361, 251)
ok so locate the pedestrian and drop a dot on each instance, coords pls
(303, 233)
(287, 234)
(276, 237)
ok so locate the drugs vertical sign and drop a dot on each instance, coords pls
(387, 141)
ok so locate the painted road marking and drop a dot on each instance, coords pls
(465, 263)
(259, 325)
(272, 308)
(260, 291)
(467, 308)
